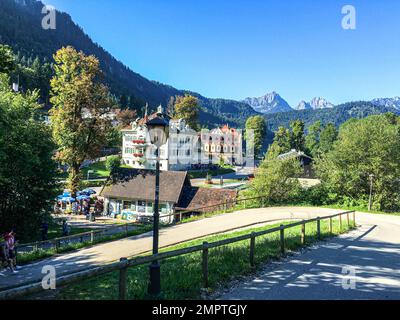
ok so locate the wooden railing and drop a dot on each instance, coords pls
(124, 263)
(57, 243)
(91, 236)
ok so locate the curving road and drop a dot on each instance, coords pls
(374, 250)
(361, 265)
(129, 247)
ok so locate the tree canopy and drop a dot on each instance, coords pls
(365, 147)
(187, 107)
(257, 125)
(27, 170)
(81, 103)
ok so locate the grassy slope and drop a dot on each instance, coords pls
(181, 276)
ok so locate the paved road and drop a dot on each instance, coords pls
(113, 251)
(372, 251)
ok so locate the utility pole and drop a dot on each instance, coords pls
(371, 180)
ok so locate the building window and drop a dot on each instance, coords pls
(141, 207)
(150, 208)
(164, 208)
(129, 205)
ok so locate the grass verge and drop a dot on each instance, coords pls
(181, 277)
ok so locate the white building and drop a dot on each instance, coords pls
(179, 153)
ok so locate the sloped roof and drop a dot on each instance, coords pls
(194, 198)
(293, 154)
(140, 185)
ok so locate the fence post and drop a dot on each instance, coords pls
(252, 248)
(205, 265)
(81, 240)
(282, 236)
(126, 229)
(36, 247)
(244, 204)
(340, 222)
(318, 228)
(348, 219)
(180, 216)
(57, 245)
(354, 219)
(330, 225)
(225, 206)
(92, 236)
(122, 279)
(303, 233)
(262, 202)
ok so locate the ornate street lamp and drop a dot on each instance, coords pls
(158, 131)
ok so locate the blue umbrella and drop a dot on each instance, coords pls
(67, 199)
(82, 197)
(89, 191)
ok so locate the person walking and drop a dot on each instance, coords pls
(65, 228)
(10, 250)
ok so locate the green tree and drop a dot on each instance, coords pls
(276, 180)
(297, 139)
(281, 143)
(259, 129)
(313, 137)
(327, 137)
(80, 104)
(187, 108)
(114, 137)
(7, 63)
(364, 147)
(113, 163)
(27, 171)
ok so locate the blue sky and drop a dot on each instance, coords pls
(237, 48)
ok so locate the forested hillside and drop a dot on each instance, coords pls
(20, 27)
(336, 115)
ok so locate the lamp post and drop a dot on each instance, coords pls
(158, 131)
(371, 181)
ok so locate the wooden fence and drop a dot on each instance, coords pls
(57, 243)
(124, 263)
(91, 236)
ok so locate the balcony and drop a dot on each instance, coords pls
(138, 155)
(139, 142)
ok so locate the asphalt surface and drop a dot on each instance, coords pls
(112, 251)
(372, 252)
(361, 265)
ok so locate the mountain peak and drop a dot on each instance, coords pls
(388, 102)
(321, 103)
(269, 103)
(315, 103)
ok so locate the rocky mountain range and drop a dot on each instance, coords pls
(274, 103)
(388, 102)
(269, 103)
(20, 27)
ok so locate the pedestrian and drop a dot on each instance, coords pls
(65, 228)
(74, 208)
(10, 250)
(86, 208)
